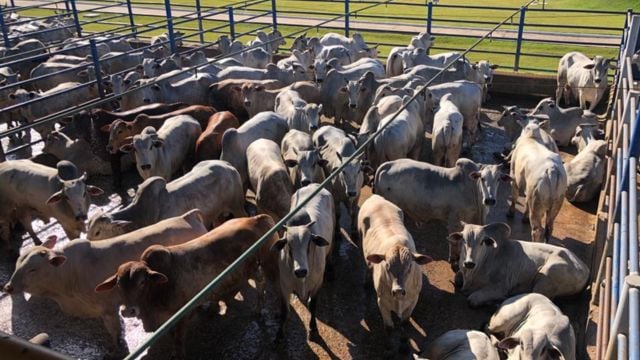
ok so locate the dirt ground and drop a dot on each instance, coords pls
(349, 323)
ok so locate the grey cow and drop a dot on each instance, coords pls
(213, 186)
(302, 158)
(496, 267)
(269, 178)
(462, 345)
(31, 190)
(265, 125)
(585, 172)
(304, 252)
(531, 326)
(582, 79)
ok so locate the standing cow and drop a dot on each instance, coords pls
(390, 253)
(163, 152)
(540, 174)
(446, 142)
(582, 79)
(69, 274)
(304, 252)
(31, 190)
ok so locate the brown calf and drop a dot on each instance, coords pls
(209, 144)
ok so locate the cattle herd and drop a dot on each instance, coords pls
(226, 151)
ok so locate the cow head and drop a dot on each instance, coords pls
(74, 193)
(296, 243)
(135, 280)
(320, 70)
(598, 69)
(119, 130)
(351, 177)
(308, 163)
(529, 345)
(312, 115)
(250, 93)
(397, 263)
(488, 179)
(474, 244)
(585, 134)
(300, 42)
(146, 148)
(56, 144)
(35, 269)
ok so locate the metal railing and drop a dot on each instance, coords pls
(617, 290)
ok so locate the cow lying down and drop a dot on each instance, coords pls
(495, 267)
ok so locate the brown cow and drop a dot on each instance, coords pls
(227, 95)
(209, 144)
(120, 131)
(166, 277)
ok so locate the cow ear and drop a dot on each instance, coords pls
(342, 89)
(322, 162)
(94, 190)
(259, 88)
(291, 162)
(108, 284)
(279, 244)
(455, 238)
(505, 177)
(57, 196)
(158, 278)
(498, 230)
(319, 240)
(57, 260)
(126, 148)
(50, 242)
(156, 87)
(589, 66)
(475, 175)
(555, 353)
(489, 242)
(121, 223)
(375, 258)
(421, 259)
(508, 343)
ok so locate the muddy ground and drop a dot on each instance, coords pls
(349, 323)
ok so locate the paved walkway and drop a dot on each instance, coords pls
(178, 11)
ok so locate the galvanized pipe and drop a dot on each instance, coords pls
(172, 36)
(606, 308)
(75, 17)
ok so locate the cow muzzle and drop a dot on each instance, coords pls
(398, 291)
(352, 194)
(305, 182)
(490, 201)
(129, 311)
(469, 265)
(352, 106)
(81, 217)
(313, 127)
(300, 273)
(247, 103)
(598, 81)
(145, 167)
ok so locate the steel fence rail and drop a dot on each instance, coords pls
(232, 267)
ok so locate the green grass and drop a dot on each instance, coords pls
(544, 19)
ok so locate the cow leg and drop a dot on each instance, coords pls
(284, 315)
(119, 345)
(551, 217)
(559, 91)
(514, 199)
(486, 296)
(25, 218)
(313, 324)
(582, 99)
(535, 219)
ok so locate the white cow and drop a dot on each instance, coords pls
(446, 141)
(299, 114)
(582, 79)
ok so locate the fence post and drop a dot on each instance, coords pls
(13, 3)
(429, 16)
(132, 22)
(346, 18)
(516, 65)
(5, 33)
(172, 36)
(274, 15)
(96, 66)
(199, 14)
(66, 5)
(232, 27)
(75, 17)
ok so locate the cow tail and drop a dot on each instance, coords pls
(546, 189)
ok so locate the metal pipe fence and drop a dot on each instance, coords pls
(617, 281)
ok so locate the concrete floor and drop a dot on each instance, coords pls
(349, 322)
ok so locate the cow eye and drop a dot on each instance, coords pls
(98, 233)
(362, 89)
(31, 271)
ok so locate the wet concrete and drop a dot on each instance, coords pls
(349, 322)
